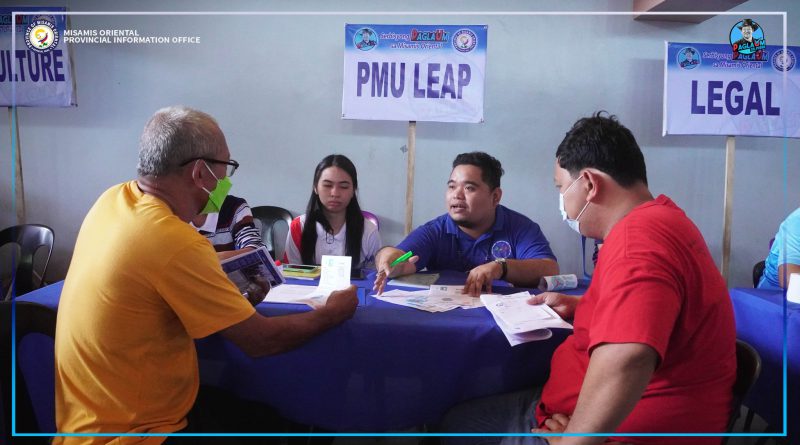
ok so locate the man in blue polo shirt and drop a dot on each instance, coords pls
(476, 235)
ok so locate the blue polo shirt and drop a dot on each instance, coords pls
(441, 245)
(785, 250)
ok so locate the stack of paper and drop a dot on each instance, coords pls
(335, 276)
(297, 294)
(435, 299)
(520, 321)
(418, 280)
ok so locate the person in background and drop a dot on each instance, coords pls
(477, 235)
(231, 231)
(333, 223)
(657, 312)
(784, 255)
(143, 285)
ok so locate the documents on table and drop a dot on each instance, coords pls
(436, 299)
(455, 293)
(519, 321)
(335, 276)
(522, 322)
(419, 280)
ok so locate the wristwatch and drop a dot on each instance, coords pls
(502, 262)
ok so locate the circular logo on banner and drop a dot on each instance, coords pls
(41, 36)
(688, 58)
(747, 37)
(465, 40)
(783, 62)
(365, 39)
(501, 249)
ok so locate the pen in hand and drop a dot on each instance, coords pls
(404, 257)
(386, 271)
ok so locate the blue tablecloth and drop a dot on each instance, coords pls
(388, 368)
(759, 321)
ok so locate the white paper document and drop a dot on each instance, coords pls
(793, 290)
(335, 276)
(436, 299)
(335, 273)
(296, 294)
(454, 294)
(417, 299)
(520, 321)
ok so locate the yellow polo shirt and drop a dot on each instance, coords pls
(141, 286)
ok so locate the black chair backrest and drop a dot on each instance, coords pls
(30, 318)
(758, 270)
(29, 237)
(268, 217)
(748, 367)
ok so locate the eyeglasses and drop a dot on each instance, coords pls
(231, 169)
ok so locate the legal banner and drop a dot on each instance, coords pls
(708, 91)
(40, 68)
(414, 72)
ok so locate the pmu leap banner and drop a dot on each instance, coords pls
(414, 72)
(40, 67)
(707, 91)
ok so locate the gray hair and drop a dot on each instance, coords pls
(175, 135)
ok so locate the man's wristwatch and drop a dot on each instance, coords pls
(502, 262)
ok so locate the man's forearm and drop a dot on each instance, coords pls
(526, 273)
(617, 376)
(785, 271)
(259, 336)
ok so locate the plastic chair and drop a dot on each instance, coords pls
(33, 414)
(748, 368)
(758, 271)
(267, 217)
(30, 238)
(371, 216)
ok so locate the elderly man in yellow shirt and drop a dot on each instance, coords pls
(143, 284)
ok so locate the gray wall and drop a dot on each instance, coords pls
(274, 84)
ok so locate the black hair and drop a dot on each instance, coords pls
(491, 170)
(603, 143)
(314, 214)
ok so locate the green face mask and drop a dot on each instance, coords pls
(217, 196)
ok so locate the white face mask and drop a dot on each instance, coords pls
(572, 223)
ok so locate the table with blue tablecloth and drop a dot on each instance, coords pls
(388, 368)
(759, 322)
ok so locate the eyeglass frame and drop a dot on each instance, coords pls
(231, 163)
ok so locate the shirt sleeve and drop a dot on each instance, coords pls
(422, 241)
(371, 245)
(532, 244)
(245, 233)
(292, 254)
(637, 303)
(200, 293)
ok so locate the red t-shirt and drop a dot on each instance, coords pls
(656, 284)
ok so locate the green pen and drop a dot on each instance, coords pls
(405, 257)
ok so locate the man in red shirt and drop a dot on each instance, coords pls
(653, 349)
